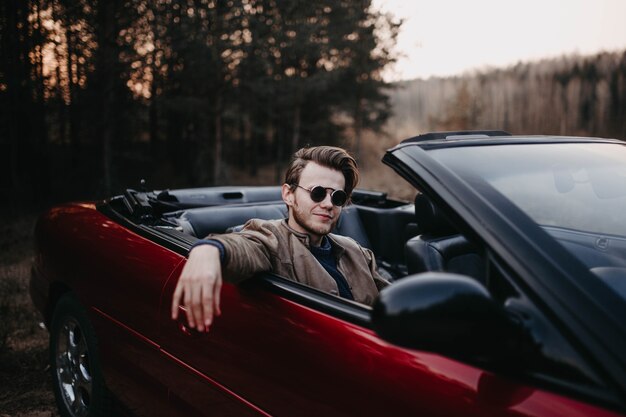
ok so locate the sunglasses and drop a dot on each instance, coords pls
(318, 193)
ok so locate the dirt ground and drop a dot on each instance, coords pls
(25, 382)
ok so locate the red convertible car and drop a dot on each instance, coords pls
(508, 295)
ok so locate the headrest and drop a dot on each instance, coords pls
(430, 219)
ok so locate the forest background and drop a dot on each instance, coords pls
(181, 92)
(95, 96)
(187, 93)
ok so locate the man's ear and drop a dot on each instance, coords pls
(288, 195)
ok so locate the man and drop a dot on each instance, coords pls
(318, 183)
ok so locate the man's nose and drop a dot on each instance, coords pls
(327, 201)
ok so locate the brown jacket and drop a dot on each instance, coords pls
(271, 245)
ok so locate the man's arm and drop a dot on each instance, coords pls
(200, 283)
(199, 287)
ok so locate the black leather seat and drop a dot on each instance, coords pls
(200, 222)
(439, 246)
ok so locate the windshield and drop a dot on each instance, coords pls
(576, 192)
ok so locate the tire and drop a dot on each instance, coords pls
(77, 380)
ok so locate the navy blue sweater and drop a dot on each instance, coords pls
(324, 255)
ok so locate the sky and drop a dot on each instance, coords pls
(449, 37)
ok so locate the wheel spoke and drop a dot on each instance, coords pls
(81, 404)
(84, 375)
(69, 393)
(83, 361)
(73, 339)
(65, 375)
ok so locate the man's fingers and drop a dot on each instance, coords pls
(196, 306)
(176, 300)
(217, 290)
(188, 307)
(207, 304)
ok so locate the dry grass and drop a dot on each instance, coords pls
(377, 176)
(25, 386)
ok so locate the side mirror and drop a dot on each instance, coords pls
(445, 313)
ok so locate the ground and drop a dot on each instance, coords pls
(25, 382)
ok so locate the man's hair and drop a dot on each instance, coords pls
(326, 156)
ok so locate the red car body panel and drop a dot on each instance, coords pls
(283, 357)
(266, 354)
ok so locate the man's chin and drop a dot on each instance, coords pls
(318, 229)
(312, 226)
(323, 230)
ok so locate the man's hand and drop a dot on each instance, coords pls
(199, 287)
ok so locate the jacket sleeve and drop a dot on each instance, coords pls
(247, 252)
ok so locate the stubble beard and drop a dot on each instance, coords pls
(304, 221)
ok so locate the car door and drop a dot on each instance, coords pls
(283, 349)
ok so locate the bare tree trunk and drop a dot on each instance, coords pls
(358, 126)
(17, 74)
(250, 145)
(153, 114)
(153, 111)
(72, 106)
(40, 162)
(295, 139)
(63, 118)
(217, 164)
(106, 59)
(270, 137)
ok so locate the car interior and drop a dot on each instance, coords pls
(373, 220)
(407, 238)
(438, 246)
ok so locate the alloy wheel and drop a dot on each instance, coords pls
(73, 371)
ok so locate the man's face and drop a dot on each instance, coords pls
(307, 216)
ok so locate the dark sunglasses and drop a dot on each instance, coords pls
(318, 193)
